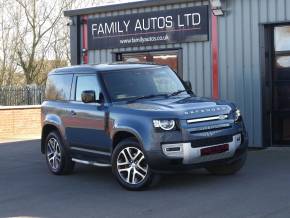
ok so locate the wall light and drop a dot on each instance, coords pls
(216, 7)
(71, 22)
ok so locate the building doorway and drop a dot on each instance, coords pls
(172, 58)
(275, 47)
(281, 86)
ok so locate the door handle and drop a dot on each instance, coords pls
(73, 113)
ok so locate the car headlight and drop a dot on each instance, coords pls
(164, 124)
(237, 115)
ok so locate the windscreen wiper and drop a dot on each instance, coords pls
(177, 93)
(147, 96)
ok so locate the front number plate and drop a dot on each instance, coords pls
(214, 150)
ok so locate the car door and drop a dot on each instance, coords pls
(86, 131)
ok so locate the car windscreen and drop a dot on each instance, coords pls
(134, 83)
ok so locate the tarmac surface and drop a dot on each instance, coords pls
(27, 189)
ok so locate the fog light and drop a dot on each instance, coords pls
(173, 150)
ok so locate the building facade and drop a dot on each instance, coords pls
(242, 56)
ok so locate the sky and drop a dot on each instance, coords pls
(122, 1)
(109, 2)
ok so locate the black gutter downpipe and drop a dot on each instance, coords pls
(75, 40)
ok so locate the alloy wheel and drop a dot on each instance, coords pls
(53, 153)
(131, 165)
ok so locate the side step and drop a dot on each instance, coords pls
(90, 163)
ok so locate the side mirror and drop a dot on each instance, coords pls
(188, 85)
(101, 99)
(88, 96)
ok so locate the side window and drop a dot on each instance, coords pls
(58, 87)
(87, 83)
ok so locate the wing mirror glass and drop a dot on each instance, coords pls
(88, 96)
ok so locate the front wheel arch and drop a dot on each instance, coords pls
(122, 135)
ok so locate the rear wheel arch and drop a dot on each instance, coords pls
(48, 128)
(58, 158)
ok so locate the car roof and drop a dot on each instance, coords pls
(102, 68)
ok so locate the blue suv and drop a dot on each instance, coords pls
(139, 119)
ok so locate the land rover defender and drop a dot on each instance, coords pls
(139, 119)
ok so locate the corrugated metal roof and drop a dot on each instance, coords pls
(123, 6)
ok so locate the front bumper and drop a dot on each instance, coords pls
(190, 157)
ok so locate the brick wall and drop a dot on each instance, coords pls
(20, 122)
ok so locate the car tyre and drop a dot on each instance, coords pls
(130, 167)
(229, 168)
(57, 157)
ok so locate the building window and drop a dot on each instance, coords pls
(170, 58)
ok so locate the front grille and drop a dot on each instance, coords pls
(211, 141)
(207, 119)
(210, 128)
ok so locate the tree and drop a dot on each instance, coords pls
(35, 33)
(8, 64)
(34, 37)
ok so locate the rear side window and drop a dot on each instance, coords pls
(87, 83)
(58, 87)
